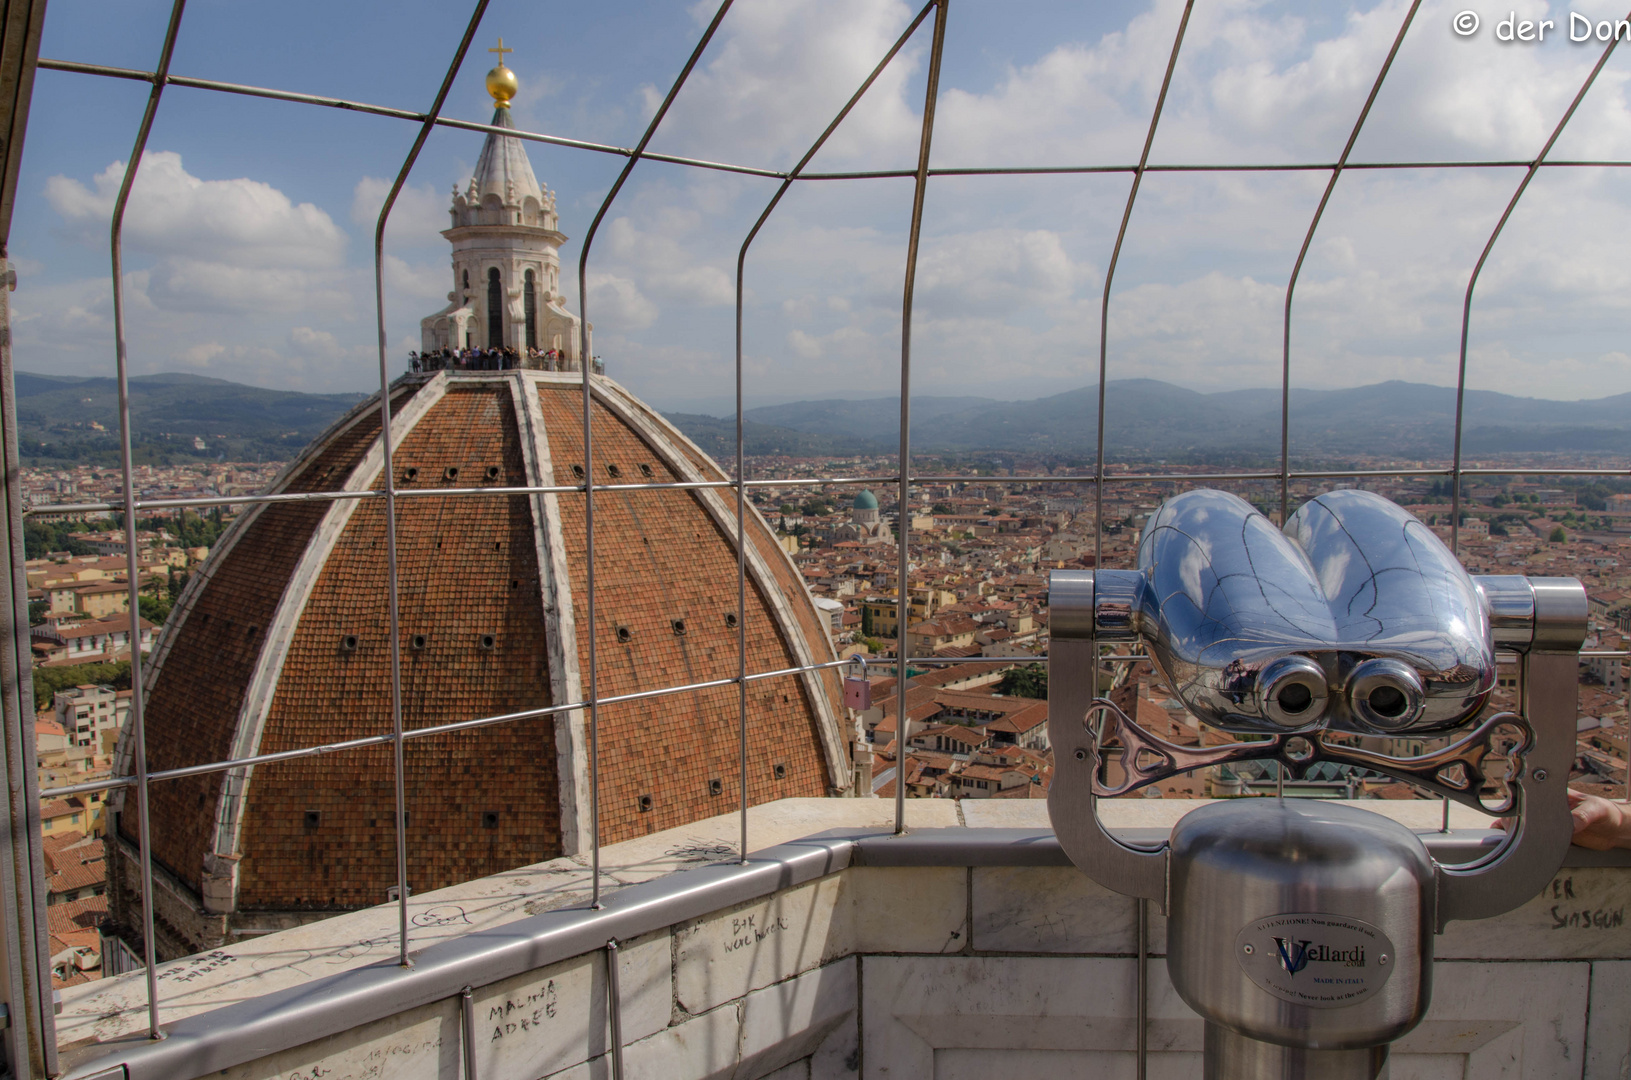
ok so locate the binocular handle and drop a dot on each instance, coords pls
(1071, 802)
(1539, 832)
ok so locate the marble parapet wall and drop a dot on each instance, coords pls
(968, 947)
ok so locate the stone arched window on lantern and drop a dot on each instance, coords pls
(530, 300)
(495, 310)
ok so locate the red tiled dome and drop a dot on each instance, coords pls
(281, 641)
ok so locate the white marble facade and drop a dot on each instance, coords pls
(948, 972)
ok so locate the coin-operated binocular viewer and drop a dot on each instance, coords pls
(1302, 930)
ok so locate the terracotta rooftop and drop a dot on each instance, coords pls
(282, 640)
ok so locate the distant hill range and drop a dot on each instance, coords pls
(1147, 419)
(1144, 419)
(59, 417)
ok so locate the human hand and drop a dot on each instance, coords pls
(1598, 823)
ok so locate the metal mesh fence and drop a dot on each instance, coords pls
(930, 20)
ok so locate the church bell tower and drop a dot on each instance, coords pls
(506, 251)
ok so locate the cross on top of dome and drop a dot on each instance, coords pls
(501, 81)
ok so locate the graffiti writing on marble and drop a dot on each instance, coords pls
(523, 1013)
(1587, 918)
(1569, 917)
(746, 930)
(381, 1062)
(699, 852)
(197, 967)
(446, 915)
(360, 948)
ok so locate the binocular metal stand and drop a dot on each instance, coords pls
(1302, 930)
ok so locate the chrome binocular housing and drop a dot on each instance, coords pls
(1353, 618)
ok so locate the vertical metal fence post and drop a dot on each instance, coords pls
(614, 1009)
(1104, 304)
(29, 1038)
(467, 1027)
(31, 1034)
(1302, 253)
(903, 565)
(741, 589)
(137, 711)
(399, 769)
(1472, 283)
(741, 260)
(591, 696)
(1143, 1033)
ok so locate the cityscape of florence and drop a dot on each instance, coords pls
(702, 649)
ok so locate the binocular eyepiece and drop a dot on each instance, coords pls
(1294, 692)
(1355, 616)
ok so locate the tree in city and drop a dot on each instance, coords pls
(191, 529)
(1558, 536)
(48, 680)
(155, 609)
(1030, 681)
(42, 538)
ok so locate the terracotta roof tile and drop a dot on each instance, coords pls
(318, 831)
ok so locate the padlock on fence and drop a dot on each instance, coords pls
(858, 689)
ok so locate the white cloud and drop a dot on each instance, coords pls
(229, 262)
(779, 70)
(222, 246)
(664, 262)
(417, 217)
(239, 222)
(420, 283)
(803, 345)
(200, 355)
(315, 342)
(180, 284)
(996, 267)
(619, 305)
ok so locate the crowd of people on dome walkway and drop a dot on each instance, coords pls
(496, 359)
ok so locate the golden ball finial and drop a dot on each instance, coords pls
(502, 85)
(501, 81)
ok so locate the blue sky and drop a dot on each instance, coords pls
(249, 244)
